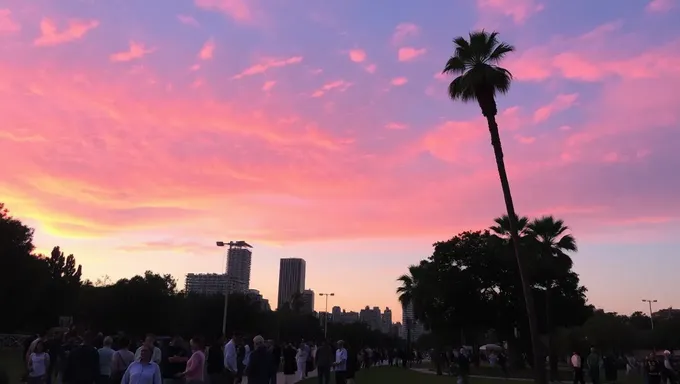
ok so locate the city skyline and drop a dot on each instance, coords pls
(137, 136)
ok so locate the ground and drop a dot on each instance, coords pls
(11, 363)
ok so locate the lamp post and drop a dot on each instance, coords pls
(231, 244)
(325, 322)
(649, 301)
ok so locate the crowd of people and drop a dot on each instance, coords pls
(90, 358)
(656, 368)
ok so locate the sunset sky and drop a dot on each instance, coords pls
(134, 134)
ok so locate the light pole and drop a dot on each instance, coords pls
(231, 244)
(651, 319)
(325, 322)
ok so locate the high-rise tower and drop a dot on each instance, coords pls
(291, 279)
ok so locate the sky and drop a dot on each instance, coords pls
(135, 134)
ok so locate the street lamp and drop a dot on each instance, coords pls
(325, 322)
(651, 319)
(231, 244)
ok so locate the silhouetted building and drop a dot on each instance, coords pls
(291, 279)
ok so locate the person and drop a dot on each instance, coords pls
(215, 363)
(82, 366)
(38, 363)
(340, 363)
(503, 363)
(275, 353)
(610, 368)
(301, 359)
(195, 366)
(289, 363)
(105, 360)
(149, 342)
(652, 369)
(463, 367)
(577, 367)
(121, 360)
(668, 371)
(173, 361)
(594, 362)
(324, 360)
(352, 364)
(143, 370)
(231, 359)
(259, 368)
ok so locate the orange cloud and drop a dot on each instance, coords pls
(188, 20)
(75, 30)
(207, 51)
(660, 6)
(519, 10)
(135, 51)
(340, 85)
(397, 81)
(7, 23)
(238, 10)
(357, 55)
(561, 103)
(266, 65)
(410, 53)
(403, 31)
(268, 85)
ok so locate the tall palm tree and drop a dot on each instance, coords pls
(553, 241)
(406, 292)
(480, 79)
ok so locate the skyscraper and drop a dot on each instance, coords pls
(239, 260)
(291, 279)
(308, 300)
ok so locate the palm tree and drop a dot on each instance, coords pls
(406, 294)
(480, 79)
(553, 242)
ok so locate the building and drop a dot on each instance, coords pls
(336, 314)
(212, 284)
(291, 279)
(408, 322)
(239, 259)
(308, 301)
(255, 296)
(387, 320)
(372, 317)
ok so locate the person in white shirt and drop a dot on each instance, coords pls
(144, 370)
(106, 359)
(149, 343)
(231, 359)
(340, 363)
(38, 364)
(577, 366)
(301, 359)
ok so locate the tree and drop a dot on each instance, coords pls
(480, 79)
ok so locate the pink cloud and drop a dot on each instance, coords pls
(207, 51)
(135, 51)
(397, 81)
(559, 104)
(410, 53)
(188, 20)
(396, 126)
(525, 139)
(404, 31)
(7, 23)
(239, 10)
(518, 10)
(339, 85)
(268, 85)
(660, 6)
(75, 30)
(266, 65)
(371, 68)
(357, 55)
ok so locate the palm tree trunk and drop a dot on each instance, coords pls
(539, 363)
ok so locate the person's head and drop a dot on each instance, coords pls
(124, 342)
(108, 341)
(236, 337)
(197, 343)
(39, 346)
(145, 354)
(341, 344)
(177, 340)
(258, 341)
(88, 338)
(592, 349)
(149, 340)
